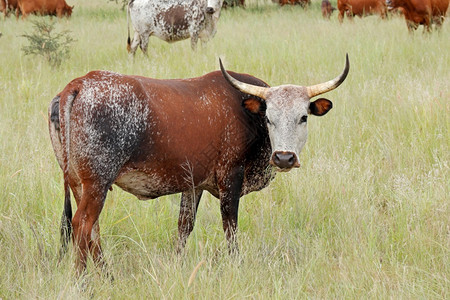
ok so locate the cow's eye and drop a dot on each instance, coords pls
(303, 119)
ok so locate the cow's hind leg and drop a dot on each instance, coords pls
(66, 218)
(144, 43)
(188, 211)
(383, 13)
(85, 224)
(427, 25)
(96, 249)
(438, 20)
(134, 44)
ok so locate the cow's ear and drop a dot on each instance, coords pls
(254, 105)
(320, 107)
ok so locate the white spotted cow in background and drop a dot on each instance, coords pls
(172, 21)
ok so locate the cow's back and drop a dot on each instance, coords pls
(33, 6)
(362, 7)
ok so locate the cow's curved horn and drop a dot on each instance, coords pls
(321, 88)
(254, 90)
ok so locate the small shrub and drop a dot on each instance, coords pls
(54, 47)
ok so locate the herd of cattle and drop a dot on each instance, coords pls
(416, 12)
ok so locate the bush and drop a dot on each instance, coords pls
(54, 47)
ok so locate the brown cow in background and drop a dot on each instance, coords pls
(361, 8)
(327, 9)
(57, 8)
(421, 12)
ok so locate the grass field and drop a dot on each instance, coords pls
(366, 216)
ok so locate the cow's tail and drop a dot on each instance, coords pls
(128, 26)
(65, 109)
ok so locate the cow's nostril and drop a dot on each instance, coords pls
(276, 159)
(284, 160)
(210, 10)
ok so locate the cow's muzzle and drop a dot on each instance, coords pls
(210, 10)
(284, 160)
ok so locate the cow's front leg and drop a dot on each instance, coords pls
(194, 40)
(230, 192)
(341, 15)
(411, 26)
(188, 211)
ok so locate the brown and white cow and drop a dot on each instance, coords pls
(57, 8)
(361, 8)
(225, 133)
(172, 21)
(421, 12)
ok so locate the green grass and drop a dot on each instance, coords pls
(366, 216)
